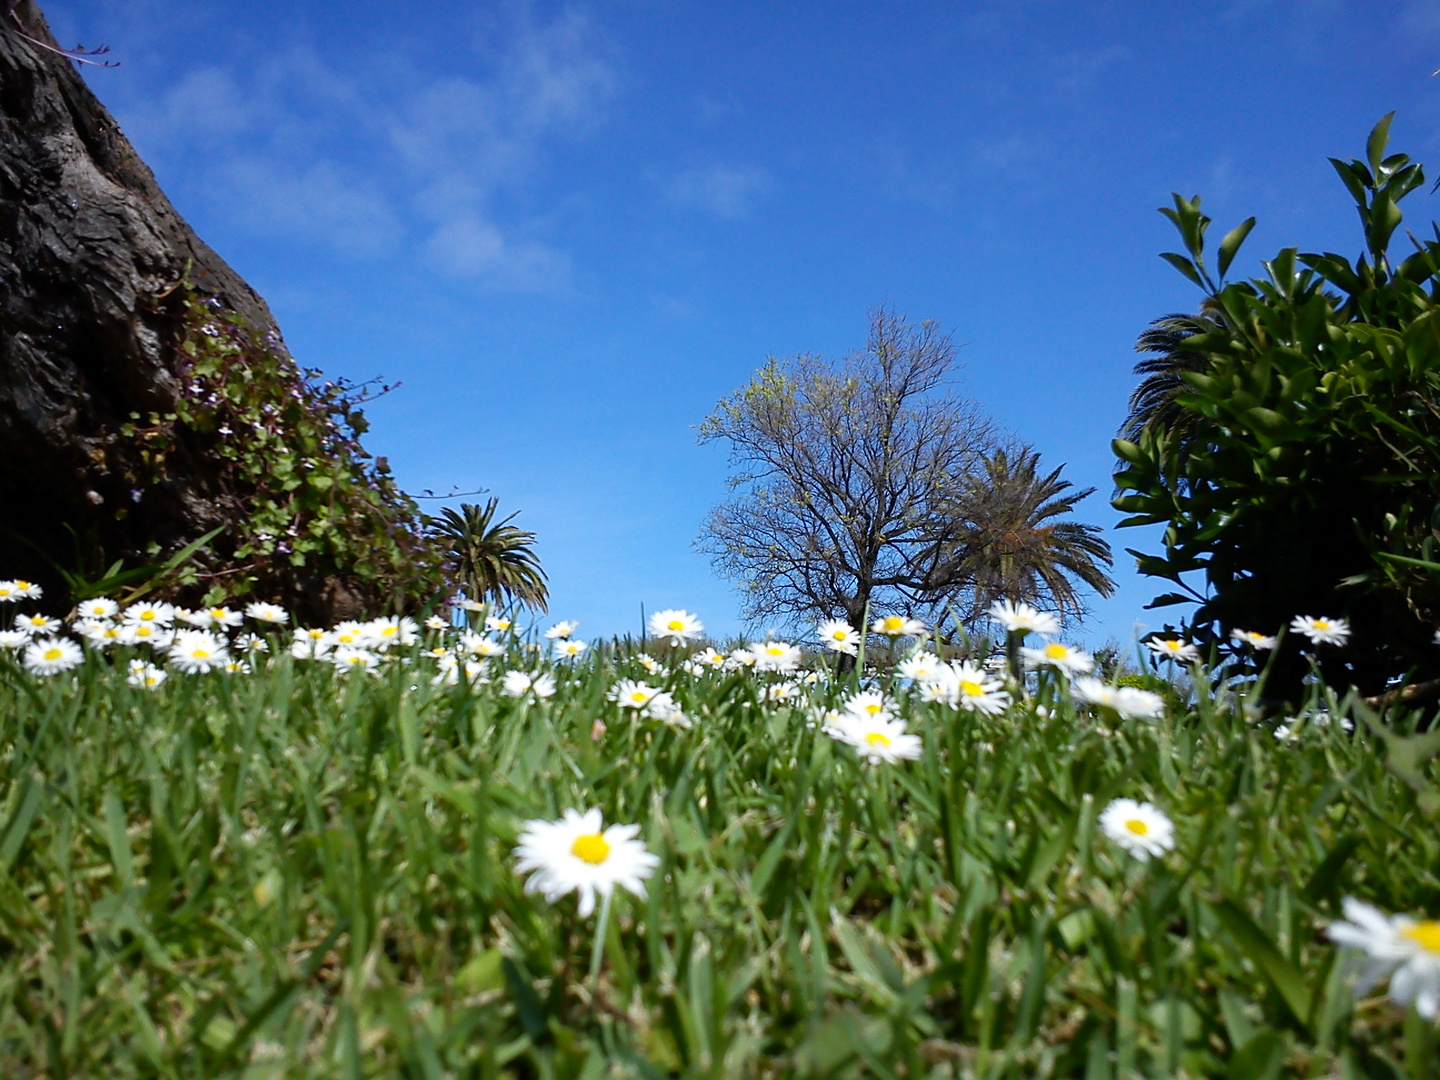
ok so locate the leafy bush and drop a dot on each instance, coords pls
(1296, 461)
(311, 519)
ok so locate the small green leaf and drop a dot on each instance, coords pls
(1231, 244)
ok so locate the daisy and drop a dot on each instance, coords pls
(1252, 638)
(1322, 630)
(1139, 828)
(679, 626)
(435, 622)
(13, 639)
(1023, 619)
(197, 651)
(569, 648)
(918, 668)
(252, 643)
(148, 614)
(224, 617)
(875, 738)
(629, 694)
(577, 854)
(1132, 703)
(1174, 649)
(350, 658)
(146, 633)
(1092, 691)
(706, 660)
(480, 644)
(449, 669)
(522, 684)
(349, 633)
(1405, 949)
(236, 667)
(385, 632)
(648, 662)
(781, 691)
(739, 658)
(838, 636)
(19, 589)
(775, 656)
(311, 644)
(497, 624)
(895, 626)
(663, 707)
(36, 624)
(869, 704)
(99, 633)
(51, 656)
(144, 675)
(1066, 658)
(102, 607)
(562, 630)
(978, 690)
(267, 613)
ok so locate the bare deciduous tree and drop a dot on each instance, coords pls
(869, 481)
(840, 469)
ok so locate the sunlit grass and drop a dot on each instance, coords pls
(309, 873)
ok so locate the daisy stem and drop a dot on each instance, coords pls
(597, 954)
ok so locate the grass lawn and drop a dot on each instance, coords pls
(307, 872)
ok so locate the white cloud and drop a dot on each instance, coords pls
(726, 191)
(359, 161)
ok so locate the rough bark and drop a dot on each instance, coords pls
(92, 255)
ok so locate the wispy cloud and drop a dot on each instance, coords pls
(726, 191)
(363, 164)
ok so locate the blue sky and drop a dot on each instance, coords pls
(569, 229)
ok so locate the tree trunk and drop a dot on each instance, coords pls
(92, 260)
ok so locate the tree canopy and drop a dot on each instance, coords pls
(869, 481)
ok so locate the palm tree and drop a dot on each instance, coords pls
(494, 560)
(1153, 404)
(1008, 545)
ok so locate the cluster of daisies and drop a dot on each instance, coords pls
(189, 641)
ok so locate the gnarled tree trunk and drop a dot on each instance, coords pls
(92, 260)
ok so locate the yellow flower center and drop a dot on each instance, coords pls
(591, 848)
(675, 624)
(200, 654)
(873, 707)
(1056, 651)
(893, 623)
(971, 689)
(774, 651)
(875, 738)
(1138, 827)
(53, 654)
(1425, 934)
(22, 584)
(1321, 624)
(639, 697)
(146, 616)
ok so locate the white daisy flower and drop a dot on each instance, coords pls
(450, 669)
(918, 668)
(36, 624)
(100, 633)
(146, 676)
(480, 645)
(1174, 649)
(1405, 949)
(869, 704)
(497, 624)
(1140, 828)
(897, 626)
(1322, 630)
(781, 691)
(236, 667)
(706, 660)
(649, 663)
(252, 643)
(1021, 618)
(267, 613)
(146, 633)
(352, 658)
(435, 622)
(523, 684)
(562, 630)
(666, 709)
(1133, 703)
(739, 658)
(875, 738)
(13, 639)
(148, 614)
(776, 656)
(197, 651)
(101, 607)
(18, 589)
(50, 656)
(1066, 658)
(569, 648)
(676, 625)
(208, 617)
(838, 636)
(349, 633)
(629, 694)
(1252, 638)
(977, 690)
(384, 632)
(577, 854)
